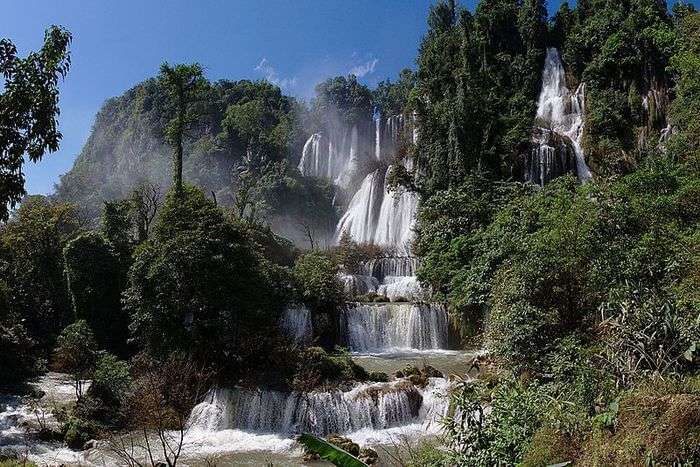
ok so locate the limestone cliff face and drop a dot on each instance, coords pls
(126, 148)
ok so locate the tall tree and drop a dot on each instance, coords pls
(29, 109)
(184, 84)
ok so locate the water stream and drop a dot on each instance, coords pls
(557, 138)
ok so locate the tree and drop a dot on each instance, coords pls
(31, 248)
(95, 283)
(18, 355)
(196, 281)
(29, 109)
(184, 84)
(76, 353)
(315, 274)
(158, 406)
(145, 201)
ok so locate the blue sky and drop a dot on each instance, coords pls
(295, 43)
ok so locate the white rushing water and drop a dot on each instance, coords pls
(360, 218)
(392, 327)
(561, 111)
(397, 216)
(375, 406)
(296, 323)
(336, 156)
(376, 214)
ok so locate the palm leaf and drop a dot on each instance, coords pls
(330, 452)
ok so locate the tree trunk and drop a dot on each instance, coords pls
(178, 166)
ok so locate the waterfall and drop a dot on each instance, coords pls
(391, 326)
(560, 114)
(335, 156)
(401, 288)
(360, 219)
(380, 217)
(396, 219)
(378, 138)
(367, 406)
(395, 266)
(296, 323)
(358, 284)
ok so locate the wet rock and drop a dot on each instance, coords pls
(92, 444)
(432, 372)
(417, 376)
(369, 456)
(36, 393)
(346, 444)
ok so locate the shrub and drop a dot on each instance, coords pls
(315, 274)
(111, 382)
(316, 368)
(77, 432)
(18, 355)
(76, 353)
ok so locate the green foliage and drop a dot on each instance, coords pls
(183, 85)
(196, 281)
(95, 284)
(685, 64)
(315, 273)
(621, 52)
(18, 355)
(316, 368)
(344, 98)
(478, 78)
(76, 353)
(111, 379)
(393, 98)
(330, 452)
(77, 432)
(32, 264)
(29, 109)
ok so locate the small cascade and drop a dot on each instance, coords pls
(401, 288)
(335, 157)
(367, 406)
(395, 266)
(556, 145)
(394, 326)
(358, 284)
(296, 323)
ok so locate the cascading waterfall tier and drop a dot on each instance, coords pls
(380, 217)
(335, 155)
(296, 323)
(394, 326)
(368, 406)
(556, 144)
(360, 219)
(394, 266)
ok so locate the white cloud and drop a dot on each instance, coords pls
(266, 68)
(364, 69)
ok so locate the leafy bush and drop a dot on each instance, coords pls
(111, 382)
(315, 274)
(197, 282)
(77, 432)
(76, 353)
(18, 353)
(316, 368)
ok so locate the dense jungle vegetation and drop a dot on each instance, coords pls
(586, 296)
